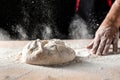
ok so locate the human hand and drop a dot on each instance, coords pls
(104, 37)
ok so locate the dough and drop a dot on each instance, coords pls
(47, 52)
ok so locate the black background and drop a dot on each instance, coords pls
(30, 13)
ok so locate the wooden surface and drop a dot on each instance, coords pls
(89, 68)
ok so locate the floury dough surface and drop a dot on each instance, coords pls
(46, 52)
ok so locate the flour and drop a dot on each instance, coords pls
(82, 52)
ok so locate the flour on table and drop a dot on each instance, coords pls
(82, 52)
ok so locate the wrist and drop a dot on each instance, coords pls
(105, 25)
(109, 21)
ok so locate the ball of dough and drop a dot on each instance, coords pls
(47, 52)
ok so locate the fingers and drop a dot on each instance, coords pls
(107, 46)
(101, 46)
(90, 45)
(95, 45)
(115, 45)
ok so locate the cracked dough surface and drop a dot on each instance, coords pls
(46, 52)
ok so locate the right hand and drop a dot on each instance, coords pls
(104, 37)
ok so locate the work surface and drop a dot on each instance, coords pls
(88, 68)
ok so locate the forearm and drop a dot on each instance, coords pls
(113, 17)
